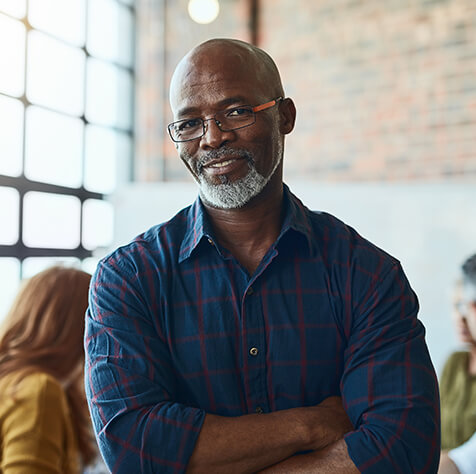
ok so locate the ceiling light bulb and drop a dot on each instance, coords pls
(203, 11)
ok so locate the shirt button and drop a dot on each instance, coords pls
(250, 291)
(259, 410)
(254, 351)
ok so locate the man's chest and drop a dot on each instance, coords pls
(269, 342)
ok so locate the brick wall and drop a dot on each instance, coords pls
(385, 89)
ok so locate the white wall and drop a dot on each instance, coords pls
(430, 228)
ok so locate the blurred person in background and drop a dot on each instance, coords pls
(458, 382)
(44, 420)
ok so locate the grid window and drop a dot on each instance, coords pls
(54, 147)
(97, 223)
(9, 212)
(11, 143)
(16, 8)
(55, 76)
(68, 22)
(66, 104)
(109, 95)
(12, 64)
(9, 282)
(51, 220)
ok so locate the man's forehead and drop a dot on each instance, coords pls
(213, 86)
(221, 68)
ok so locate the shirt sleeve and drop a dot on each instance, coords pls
(464, 456)
(389, 386)
(129, 377)
(34, 429)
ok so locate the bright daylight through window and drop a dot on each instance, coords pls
(66, 121)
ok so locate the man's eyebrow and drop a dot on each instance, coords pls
(195, 111)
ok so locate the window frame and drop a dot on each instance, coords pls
(23, 185)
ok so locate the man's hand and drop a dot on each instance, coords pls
(333, 425)
(253, 442)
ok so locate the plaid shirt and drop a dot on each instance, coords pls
(177, 328)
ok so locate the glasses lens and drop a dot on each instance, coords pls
(237, 117)
(184, 130)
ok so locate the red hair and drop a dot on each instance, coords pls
(43, 332)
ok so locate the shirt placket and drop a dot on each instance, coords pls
(254, 349)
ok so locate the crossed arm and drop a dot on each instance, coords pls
(268, 442)
(388, 386)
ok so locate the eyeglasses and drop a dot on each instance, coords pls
(226, 120)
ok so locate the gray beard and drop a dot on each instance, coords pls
(231, 195)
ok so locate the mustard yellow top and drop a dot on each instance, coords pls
(458, 401)
(36, 432)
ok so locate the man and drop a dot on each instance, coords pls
(221, 340)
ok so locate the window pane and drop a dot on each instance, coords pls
(34, 265)
(98, 223)
(51, 220)
(13, 7)
(54, 147)
(123, 159)
(11, 143)
(64, 19)
(89, 264)
(9, 283)
(55, 74)
(9, 215)
(100, 159)
(12, 58)
(109, 95)
(111, 40)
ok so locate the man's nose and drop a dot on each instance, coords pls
(214, 136)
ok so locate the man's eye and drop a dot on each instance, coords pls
(188, 124)
(238, 112)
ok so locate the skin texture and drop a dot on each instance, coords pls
(217, 75)
(447, 466)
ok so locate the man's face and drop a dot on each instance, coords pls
(231, 167)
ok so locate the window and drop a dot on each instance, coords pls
(66, 128)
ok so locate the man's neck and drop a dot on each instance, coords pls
(248, 232)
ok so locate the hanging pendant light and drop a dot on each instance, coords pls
(203, 11)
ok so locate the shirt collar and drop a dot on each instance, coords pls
(197, 228)
(296, 217)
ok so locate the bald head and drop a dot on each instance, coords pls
(214, 60)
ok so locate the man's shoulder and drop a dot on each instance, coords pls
(341, 241)
(158, 241)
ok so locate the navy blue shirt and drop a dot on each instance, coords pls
(177, 328)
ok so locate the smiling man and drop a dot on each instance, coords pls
(248, 333)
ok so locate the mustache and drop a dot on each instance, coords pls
(221, 153)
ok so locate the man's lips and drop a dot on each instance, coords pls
(219, 164)
(224, 165)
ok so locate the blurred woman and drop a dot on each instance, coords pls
(458, 381)
(44, 419)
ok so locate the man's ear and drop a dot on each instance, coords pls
(287, 111)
